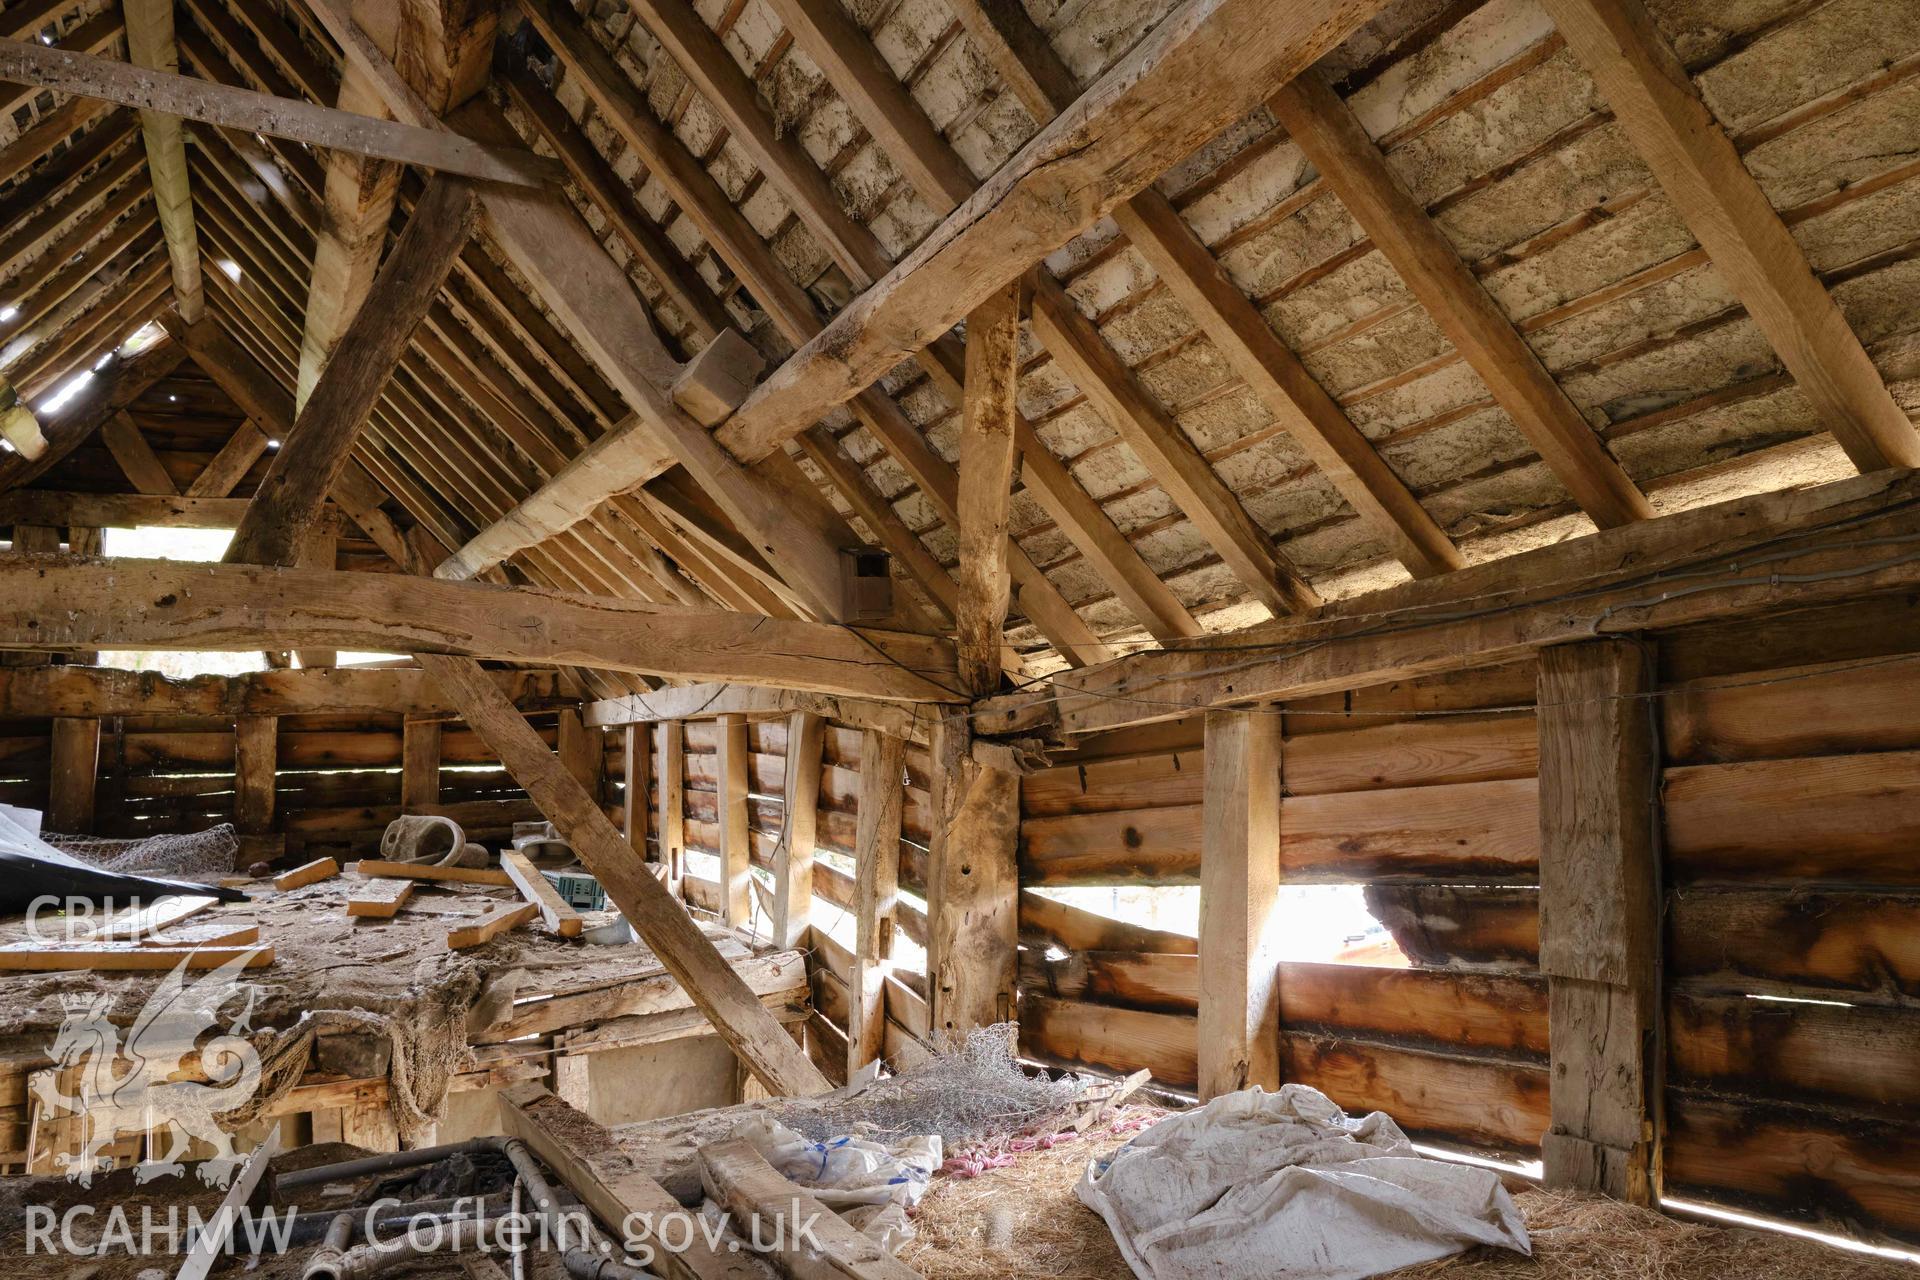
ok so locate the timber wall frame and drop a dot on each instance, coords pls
(1655, 891)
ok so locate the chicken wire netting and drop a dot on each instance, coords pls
(200, 853)
(971, 1090)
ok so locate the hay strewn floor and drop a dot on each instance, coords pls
(1025, 1223)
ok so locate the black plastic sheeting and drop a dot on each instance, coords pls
(25, 878)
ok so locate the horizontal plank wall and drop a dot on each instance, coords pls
(831, 966)
(335, 778)
(1792, 808)
(1424, 792)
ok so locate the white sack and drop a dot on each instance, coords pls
(870, 1185)
(1258, 1184)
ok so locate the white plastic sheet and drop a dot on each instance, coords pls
(1258, 1184)
(870, 1185)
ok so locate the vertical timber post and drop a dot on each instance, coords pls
(669, 785)
(735, 770)
(1239, 1025)
(1600, 917)
(972, 885)
(75, 771)
(582, 751)
(876, 852)
(634, 795)
(256, 742)
(419, 763)
(793, 860)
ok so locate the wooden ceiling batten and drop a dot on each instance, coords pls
(1701, 172)
(1326, 129)
(150, 44)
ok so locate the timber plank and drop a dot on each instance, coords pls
(764, 1205)
(1823, 709)
(49, 957)
(589, 1160)
(1467, 1011)
(306, 874)
(1112, 1039)
(1477, 831)
(1832, 818)
(1477, 1101)
(428, 871)
(1860, 1057)
(1134, 979)
(559, 917)
(378, 899)
(501, 919)
(1851, 1172)
(1492, 927)
(1835, 945)
(1044, 920)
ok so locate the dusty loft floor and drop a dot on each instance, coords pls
(1025, 1223)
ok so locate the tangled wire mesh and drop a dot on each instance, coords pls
(970, 1090)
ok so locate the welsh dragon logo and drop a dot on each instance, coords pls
(126, 1089)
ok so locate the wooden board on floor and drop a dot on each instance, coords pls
(430, 871)
(379, 899)
(764, 1205)
(558, 916)
(306, 874)
(49, 957)
(588, 1159)
(500, 920)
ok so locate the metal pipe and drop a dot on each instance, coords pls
(309, 1226)
(386, 1163)
(587, 1264)
(365, 1261)
(327, 1259)
(517, 1251)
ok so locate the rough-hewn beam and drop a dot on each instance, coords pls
(1657, 106)
(1333, 138)
(156, 604)
(18, 426)
(227, 468)
(733, 771)
(443, 45)
(736, 1013)
(1600, 917)
(617, 203)
(119, 510)
(82, 416)
(1167, 453)
(973, 885)
(876, 895)
(138, 461)
(1623, 579)
(1239, 1024)
(150, 44)
(859, 254)
(793, 859)
(1019, 50)
(1203, 67)
(312, 457)
(705, 701)
(1299, 403)
(611, 324)
(986, 484)
(696, 192)
(104, 80)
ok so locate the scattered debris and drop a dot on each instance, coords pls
(380, 898)
(306, 874)
(490, 926)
